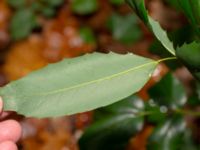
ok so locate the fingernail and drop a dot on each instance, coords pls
(1, 104)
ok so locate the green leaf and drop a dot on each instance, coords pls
(16, 3)
(157, 114)
(52, 3)
(87, 35)
(23, 17)
(117, 2)
(173, 3)
(124, 28)
(168, 92)
(168, 135)
(47, 8)
(192, 11)
(117, 124)
(131, 104)
(189, 54)
(139, 7)
(196, 11)
(198, 90)
(182, 35)
(194, 99)
(48, 12)
(160, 34)
(84, 7)
(77, 85)
(158, 49)
(188, 141)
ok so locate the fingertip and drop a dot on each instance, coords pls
(10, 130)
(8, 145)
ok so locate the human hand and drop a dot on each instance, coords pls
(10, 132)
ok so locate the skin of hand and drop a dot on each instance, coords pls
(10, 132)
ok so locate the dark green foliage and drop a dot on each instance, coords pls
(115, 125)
(84, 7)
(194, 99)
(87, 35)
(156, 112)
(191, 9)
(168, 92)
(182, 35)
(17, 3)
(47, 8)
(173, 3)
(52, 3)
(139, 7)
(168, 135)
(24, 20)
(189, 54)
(22, 23)
(124, 28)
(170, 132)
(117, 2)
(188, 141)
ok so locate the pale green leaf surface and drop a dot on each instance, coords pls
(160, 34)
(77, 85)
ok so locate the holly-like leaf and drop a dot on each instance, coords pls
(84, 7)
(77, 85)
(124, 28)
(182, 35)
(189, 54)
(168, 135)
(117, 124)
(160, 34)
(25, 17)
(168, 92)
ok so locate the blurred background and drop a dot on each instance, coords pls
(34, 33)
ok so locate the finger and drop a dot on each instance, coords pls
(4, 114)
(8, 145)
(10, 130)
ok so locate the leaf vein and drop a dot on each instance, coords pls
(98, 80)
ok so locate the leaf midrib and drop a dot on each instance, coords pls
(97, 80)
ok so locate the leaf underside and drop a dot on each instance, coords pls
(77, 85)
